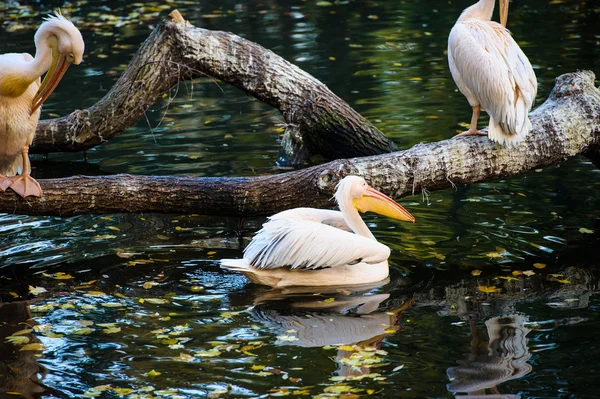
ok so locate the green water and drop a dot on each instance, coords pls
(158, 301)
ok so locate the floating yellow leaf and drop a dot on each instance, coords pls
(103, 237)
(184, 357)
(211, 252)
(487, 289)
(42, 308)
(95, 293)
(82, 331)
(257, 367)
(328, 300)
(508, 278)
(416, 79)
(50, 334)
(539, 265)
(122, 391)
(42, 327)
(32, 347)
(149, 284)
(494, 255)
(153, 373)
(346, 348)
(36, 290)
(58, 276)
(17, 339)
(564, 281)
(155, 301)
(476, 272)
(23, 332)
(287, 338)
(214, 352)
(583, 230)
(112, 330)
(115, 228)
(529, 273)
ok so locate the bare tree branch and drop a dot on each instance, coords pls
(177, 51)
(567, 124)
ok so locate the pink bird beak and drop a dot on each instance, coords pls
(503, 5)
(57, 69)
(375, 201)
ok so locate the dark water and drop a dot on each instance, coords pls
(146, 293)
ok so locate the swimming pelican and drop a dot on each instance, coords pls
(316, 247)
(492, 71)
(58, 45)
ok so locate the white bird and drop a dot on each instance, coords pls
(492, 71)
(316, 247)
(58, 44)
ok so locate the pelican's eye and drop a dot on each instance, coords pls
(70, 57)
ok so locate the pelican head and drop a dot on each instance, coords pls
(503, 6)
(365, 198)
(66, 45)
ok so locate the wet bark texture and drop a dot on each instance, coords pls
(318, 122)
(567, 124)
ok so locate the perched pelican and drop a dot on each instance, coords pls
(58, 44)
(492, 71)
(315, 247)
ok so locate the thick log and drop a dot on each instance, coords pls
(567, 124)
(321, 122)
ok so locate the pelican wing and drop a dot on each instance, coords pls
(325, 216)
(307, 244)
(487, 62)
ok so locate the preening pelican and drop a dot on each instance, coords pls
(492, 71)
(316, 247)
(58, 45)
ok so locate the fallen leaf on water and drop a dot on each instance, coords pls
(487, 289)
(539, 265)
(32, 347)
(149, 284)
(529, 273)
(287, 338)
(58, 276)
(82, 331)
(36, 290)
(122, 391)
(104, 237)
(494, 255)
(583, 230)
(112, 330)
(184, 357)
(476, 272)
(209, 353)
(17, 340)
(153, 373)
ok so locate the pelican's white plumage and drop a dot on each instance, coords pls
(492, 71)
(316, 247)
(58, 44)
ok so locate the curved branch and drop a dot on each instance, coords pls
(177, 51)
(567, 124)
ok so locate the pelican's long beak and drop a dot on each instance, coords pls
(503, 5)
(57, 69)
(374, 201)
